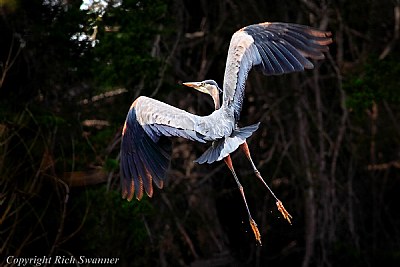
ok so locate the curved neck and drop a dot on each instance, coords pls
(215, 96)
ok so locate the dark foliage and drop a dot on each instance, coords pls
(328, 142)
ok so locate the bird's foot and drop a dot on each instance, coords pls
(255, 231)
(283, 211)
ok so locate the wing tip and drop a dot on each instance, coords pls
(127, 191)
(141, 163)
(139, 189)
(148, 185)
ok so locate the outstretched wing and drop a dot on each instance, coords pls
(275, 48)
(145, 151)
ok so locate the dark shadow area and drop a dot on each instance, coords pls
(328, 143)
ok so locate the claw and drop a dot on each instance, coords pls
(283, 211)
(255, 231)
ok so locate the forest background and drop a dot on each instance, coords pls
(328, 143)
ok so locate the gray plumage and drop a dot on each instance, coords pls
(225, 146)
(274, 48)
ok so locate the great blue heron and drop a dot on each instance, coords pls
(275, 48)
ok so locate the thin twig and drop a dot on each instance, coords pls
(65, 239)
(56, 242)
(165, 66)
(396, 32)
(7, 65)
(180, 227)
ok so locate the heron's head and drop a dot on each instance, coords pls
(207, 86)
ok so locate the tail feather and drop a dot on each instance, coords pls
(223, 147)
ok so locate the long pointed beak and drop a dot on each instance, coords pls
(197, 86)
(192, 84)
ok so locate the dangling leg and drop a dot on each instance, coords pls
(253, 224)
(279, 204)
